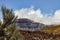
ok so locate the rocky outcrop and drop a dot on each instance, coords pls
(29, 25)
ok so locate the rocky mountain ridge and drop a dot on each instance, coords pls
(29, 25)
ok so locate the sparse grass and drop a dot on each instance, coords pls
(53, 29)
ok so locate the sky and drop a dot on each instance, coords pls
(44, 11)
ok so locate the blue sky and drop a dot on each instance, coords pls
(46, 6)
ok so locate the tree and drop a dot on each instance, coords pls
(7, 28)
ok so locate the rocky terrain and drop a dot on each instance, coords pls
(38, 35)
(29, 25)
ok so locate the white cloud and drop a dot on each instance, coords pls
(57, 14)
(29, 13)
(37, 16)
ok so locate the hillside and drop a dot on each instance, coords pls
(37, 31)
(53, 29)
(39, 35)
(51, 33)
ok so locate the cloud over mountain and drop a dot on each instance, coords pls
(37, 16)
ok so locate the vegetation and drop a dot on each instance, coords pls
(8, 29)
(39, 35)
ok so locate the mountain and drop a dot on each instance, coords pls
(37, 31)
(29, 25)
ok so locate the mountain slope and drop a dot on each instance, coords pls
(44, 34)
(29, 25)
(53, 29)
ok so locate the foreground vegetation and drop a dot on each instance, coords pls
(8, 29)
(39, 35)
